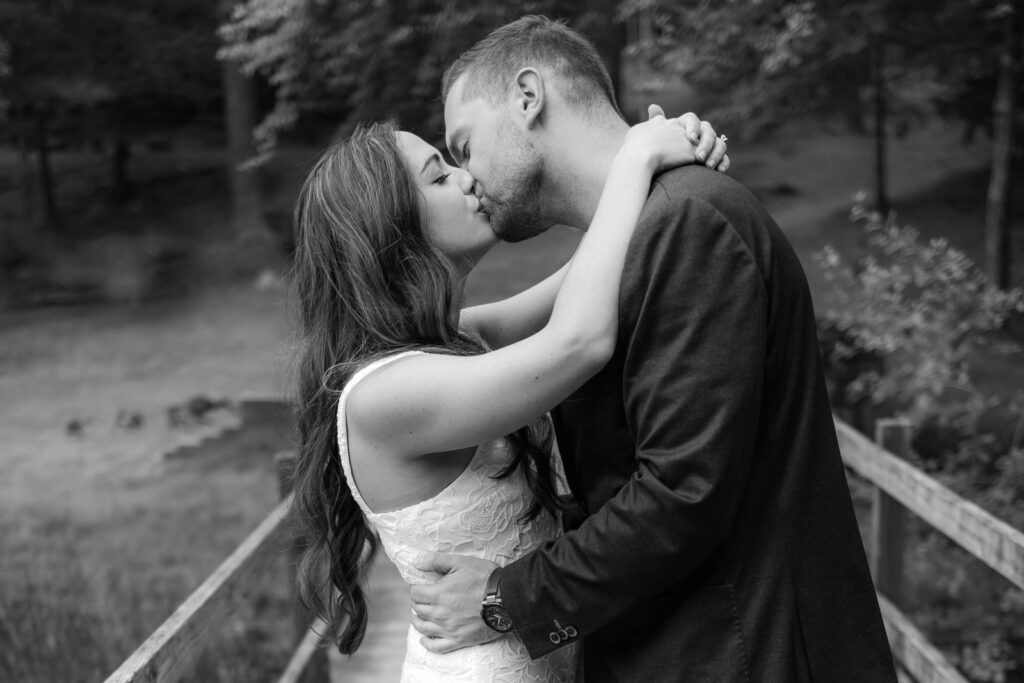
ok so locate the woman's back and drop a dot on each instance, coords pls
(477, 514)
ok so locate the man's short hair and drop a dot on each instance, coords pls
(492, 63)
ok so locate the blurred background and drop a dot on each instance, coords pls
(150, 153)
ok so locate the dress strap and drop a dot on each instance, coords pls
(346, 461)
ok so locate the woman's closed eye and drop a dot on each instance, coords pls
(441, 179)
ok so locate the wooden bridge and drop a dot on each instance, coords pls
(172, 649)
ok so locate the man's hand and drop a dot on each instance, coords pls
(447, 612)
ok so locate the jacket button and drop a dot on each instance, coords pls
(560, 634)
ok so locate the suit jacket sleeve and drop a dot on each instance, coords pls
(694, 314)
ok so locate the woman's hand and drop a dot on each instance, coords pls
(668, 143)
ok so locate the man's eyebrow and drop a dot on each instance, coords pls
(435, 157)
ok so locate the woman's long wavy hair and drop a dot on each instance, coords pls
(367, 284)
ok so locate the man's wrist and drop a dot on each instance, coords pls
(493, 610)
(493, 586)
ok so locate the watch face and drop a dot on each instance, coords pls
(497, 618)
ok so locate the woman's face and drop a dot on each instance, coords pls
(454, 219)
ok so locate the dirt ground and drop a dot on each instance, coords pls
(88, 364)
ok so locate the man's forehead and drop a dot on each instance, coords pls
(463, 111)
(455, 93)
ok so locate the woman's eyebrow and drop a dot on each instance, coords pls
(435, 157)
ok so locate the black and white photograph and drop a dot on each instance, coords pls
(511, 341)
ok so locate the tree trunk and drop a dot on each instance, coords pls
(240, 117)
(997, 213)
(881, 161)
(609, 37)
(50, 213)
(28, 183)
(16, 233)
(121, 184)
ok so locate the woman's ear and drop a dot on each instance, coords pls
(528, 96)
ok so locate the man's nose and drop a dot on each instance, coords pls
(467, 183)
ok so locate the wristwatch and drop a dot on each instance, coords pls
(493, 611)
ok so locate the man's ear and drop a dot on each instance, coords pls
(528, 96)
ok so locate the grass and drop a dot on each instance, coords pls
(102, 537)
(82, 585)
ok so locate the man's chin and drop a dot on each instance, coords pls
(514, 238)
(516, 231)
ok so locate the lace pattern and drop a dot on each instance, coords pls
(475, 515)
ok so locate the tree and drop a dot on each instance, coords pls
(103, 71)
(997, 215)
(773, 60)
(900, 60)
(13, 237)
(240, 120)
(975, 47)
(5, 71)
(43, 80)
(157, 59)
(927, 314)
(600, 22)
(334, 64)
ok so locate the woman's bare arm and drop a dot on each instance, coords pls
(434, 403)
(505, 322)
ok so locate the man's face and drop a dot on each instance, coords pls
(485, 141)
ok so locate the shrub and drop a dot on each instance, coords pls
(932, 318)
(925, 307)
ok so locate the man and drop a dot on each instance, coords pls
(718, 541)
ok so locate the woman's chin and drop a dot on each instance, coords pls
(485, 246)
(492, 241)
(467, 259)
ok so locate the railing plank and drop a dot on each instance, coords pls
(315, 667)
(308, 646)
(174, 647)
(913, 651)
(991, 540)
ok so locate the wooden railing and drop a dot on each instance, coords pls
(174, 647)
(171, 651)
(900, 487)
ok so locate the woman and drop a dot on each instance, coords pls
(413, 418)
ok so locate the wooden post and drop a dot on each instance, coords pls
(317, 669)
(888, 517)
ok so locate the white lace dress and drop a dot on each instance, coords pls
(474, 515)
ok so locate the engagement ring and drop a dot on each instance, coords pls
(722, 138)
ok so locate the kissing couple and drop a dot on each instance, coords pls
(694, 523)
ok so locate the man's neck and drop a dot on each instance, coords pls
(577, 166)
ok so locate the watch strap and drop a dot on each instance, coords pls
(492, 593)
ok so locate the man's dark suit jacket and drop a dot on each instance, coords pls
(720, 542)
